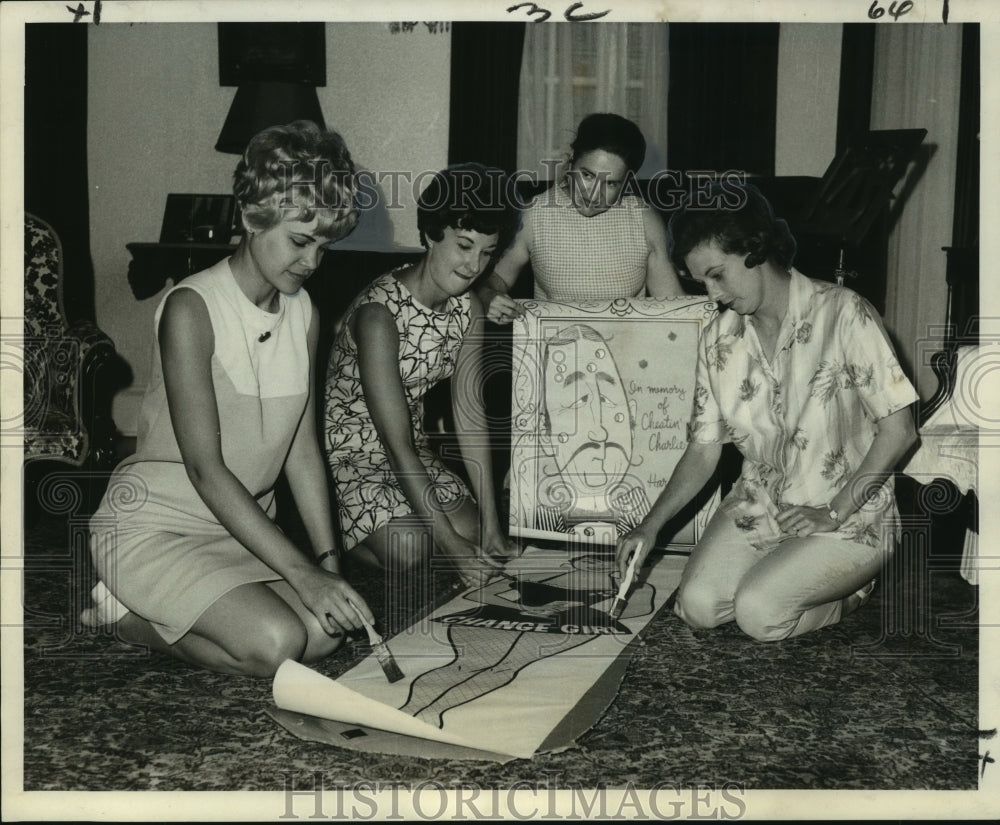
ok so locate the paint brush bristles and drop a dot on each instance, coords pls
(380, 650)
(386, 660)
(620, 601)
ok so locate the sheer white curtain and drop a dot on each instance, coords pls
(571, 69)
(917, 77)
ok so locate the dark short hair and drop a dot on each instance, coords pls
(467, 196)
(740, 219)
(613, 134)
(297, 170)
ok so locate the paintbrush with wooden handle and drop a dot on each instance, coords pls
(620, 601)
(379, 648)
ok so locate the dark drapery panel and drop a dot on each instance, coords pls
(857, 68)
(723, 96)
(55, 150)
(485, 80)
(965, 229)
(485, 74)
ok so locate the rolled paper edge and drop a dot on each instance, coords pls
(301, 689)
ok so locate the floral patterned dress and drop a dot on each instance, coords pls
(368, 494)
(804, 420)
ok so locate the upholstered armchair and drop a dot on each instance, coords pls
(66, 392)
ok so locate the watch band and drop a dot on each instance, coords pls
(335, 552)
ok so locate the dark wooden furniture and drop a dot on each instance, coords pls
(340, 277)
(153, 264)
(846, 218)
(961, 325)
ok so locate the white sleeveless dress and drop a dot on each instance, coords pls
(158, 550)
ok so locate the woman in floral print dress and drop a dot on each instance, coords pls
(410, 329)
(801, 377)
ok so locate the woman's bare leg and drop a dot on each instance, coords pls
(250, 630)
(319, 643)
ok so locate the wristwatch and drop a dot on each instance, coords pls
(835, 516)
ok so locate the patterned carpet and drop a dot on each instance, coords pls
(849, 707)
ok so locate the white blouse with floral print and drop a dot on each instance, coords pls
(805, 420)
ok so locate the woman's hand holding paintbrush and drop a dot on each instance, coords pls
(626, 582)
(637, 543)
(630, 554)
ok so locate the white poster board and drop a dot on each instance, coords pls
(602, 394)
(531, 646)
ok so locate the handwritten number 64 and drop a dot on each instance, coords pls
(875, 11)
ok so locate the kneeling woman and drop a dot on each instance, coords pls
(413, 327)
(189, 559)
(801, 377)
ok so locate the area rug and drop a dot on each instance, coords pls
(873, 703)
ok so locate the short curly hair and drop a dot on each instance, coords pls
(468, 196)
(739, 218)
(298, 172)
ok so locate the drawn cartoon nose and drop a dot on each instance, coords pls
(598, 433)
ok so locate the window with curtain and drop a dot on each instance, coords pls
(571, 70)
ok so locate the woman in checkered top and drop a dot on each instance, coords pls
(584, 238)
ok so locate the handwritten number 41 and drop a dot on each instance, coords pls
(875, 10)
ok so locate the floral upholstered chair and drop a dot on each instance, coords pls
(65, 416)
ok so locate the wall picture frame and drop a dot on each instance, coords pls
(198, 219)
(602, 392)
(288, 52)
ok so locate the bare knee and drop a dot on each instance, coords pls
(409, 552)
(320, 647)
(319, 643)
(273, 643)
(409, 562)
(405, 556)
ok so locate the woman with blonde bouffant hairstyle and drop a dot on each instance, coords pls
(199, 570)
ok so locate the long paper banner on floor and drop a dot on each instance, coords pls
(495, 669)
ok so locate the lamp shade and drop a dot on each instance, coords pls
(261, 104)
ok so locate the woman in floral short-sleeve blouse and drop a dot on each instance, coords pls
(801, 377)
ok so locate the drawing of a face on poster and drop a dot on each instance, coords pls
(601, 395)
(586, 412)
(586, 424)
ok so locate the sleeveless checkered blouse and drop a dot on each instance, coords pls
(577, 258)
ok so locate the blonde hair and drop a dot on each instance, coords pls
(297, 172)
